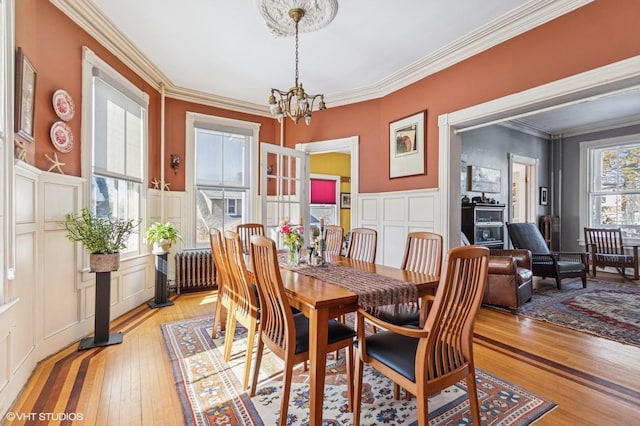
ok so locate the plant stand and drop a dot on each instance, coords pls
(161, 296)
(101, 336)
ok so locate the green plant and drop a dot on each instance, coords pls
(161, 231)
(99, 235)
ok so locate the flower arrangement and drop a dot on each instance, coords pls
(292, 235)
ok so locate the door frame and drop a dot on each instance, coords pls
(348, 145)
(589, 84)
(531, 195)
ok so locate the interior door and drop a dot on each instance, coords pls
(284, 185)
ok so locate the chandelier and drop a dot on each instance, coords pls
(294, 103)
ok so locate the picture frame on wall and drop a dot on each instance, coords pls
(345, 200)
(407, 150)
(25, 97)
(485, 179)
(544, 196)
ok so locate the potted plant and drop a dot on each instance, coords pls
(103, 237)
(162, 235)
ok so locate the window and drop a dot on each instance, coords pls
(323, 195)
(614, 186)
(223, 154)
(118, 133)
(6, 159)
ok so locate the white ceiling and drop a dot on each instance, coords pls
(222, 49)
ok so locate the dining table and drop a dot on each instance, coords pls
(340, 286)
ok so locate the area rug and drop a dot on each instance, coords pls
(211, 392)
(609, 310)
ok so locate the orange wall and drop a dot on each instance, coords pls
(595, 35)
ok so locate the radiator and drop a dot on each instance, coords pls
(194, 271)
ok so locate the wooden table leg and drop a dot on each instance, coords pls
(318, 337)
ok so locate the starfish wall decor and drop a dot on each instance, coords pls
(56, 164)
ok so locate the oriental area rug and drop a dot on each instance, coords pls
(609, 310)
(211, 392)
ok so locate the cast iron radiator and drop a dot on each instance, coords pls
(194, 271)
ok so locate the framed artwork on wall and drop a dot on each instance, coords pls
(544, 196)
(345, 200)
(485, 179)
(407, 150)
(25, 97)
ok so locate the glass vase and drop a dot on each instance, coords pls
(293, 255)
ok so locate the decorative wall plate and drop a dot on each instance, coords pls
(63, 105)
(61, 136)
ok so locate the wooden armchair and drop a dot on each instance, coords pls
(546, 263)
(605, 248)
(429, 359)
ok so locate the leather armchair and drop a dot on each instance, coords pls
(510, 279)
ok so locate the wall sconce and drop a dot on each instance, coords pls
(175, 163)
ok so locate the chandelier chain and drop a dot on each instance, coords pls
(296, 53)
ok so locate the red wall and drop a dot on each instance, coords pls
(595, 35)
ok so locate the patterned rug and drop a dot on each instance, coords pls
(608, 310)
(211, 392)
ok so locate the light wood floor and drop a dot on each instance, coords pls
(594, 381)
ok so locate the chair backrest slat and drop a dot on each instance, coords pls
(245, 231)
(362, 244)
(333, 236)
(423, 253)
(221, 261)
(245, 297)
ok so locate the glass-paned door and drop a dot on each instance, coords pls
(284, 188)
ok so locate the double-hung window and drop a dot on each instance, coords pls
(118, 135)
(224, 174)
(614, 185)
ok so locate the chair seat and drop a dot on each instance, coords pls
(337, 332)
(570, 266)
(615, 258)
(383, 346)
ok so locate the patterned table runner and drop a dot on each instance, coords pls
(373, 290)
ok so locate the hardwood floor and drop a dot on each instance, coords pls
(594, 381)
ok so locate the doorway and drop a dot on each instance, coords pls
(523, 176)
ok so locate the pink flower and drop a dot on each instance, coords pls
(285, 229)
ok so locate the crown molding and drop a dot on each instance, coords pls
(520, 20)
(512, 24)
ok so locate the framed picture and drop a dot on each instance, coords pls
(345, 200)
(25, 97)
(544, 195)
(484, 179)
(407, 151)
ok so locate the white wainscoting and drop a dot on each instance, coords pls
(51, 300)
(394, 215)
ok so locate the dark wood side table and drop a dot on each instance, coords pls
(161, 297)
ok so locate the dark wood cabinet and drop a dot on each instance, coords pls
(483, 224)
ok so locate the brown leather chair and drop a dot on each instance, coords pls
(510, 279)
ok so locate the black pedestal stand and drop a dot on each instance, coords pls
(161, 299)
(101, 336)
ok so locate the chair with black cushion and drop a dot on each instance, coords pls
(245, 231)
(422, 253)
(246, 309)
(362, 244)
(287, 335)
(429, 359)
(606, 248)
(544, 262)
(333, 238)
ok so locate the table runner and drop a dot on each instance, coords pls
(373, 290)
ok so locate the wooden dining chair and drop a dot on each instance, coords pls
(246, 308)
(423, 254)
(440, 353)
(286, 334)
(333, 238)
(362, 244)
(245, 231)
(224, 304)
